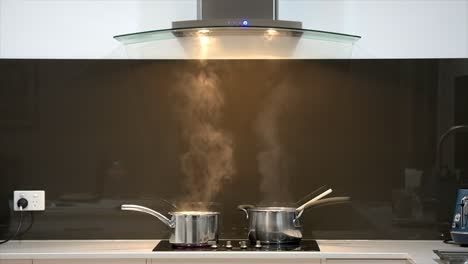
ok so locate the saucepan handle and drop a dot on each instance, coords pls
(142, 209)
(301, 208)
(326, 202)
(245, 207)
(330, 201)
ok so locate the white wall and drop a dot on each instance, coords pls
(390, 28)
(84, 28)
(81, 28)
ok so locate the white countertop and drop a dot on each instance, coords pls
(419, 251)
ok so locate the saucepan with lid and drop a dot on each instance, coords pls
(281, 225)
(189, 228)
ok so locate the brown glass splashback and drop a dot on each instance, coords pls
(98, 133)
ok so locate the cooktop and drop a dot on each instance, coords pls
(241, 245)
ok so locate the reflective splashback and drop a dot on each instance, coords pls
(95, 134)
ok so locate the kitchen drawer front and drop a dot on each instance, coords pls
(89, 261)
(12, 261)
(367, 261)
(235, 261)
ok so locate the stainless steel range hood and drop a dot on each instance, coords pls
(239, 29)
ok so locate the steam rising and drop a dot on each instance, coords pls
(209, 159)
(272, 158)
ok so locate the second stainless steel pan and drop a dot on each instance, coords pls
(281, 225)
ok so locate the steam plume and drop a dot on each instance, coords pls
(209, 159)
(272, 157)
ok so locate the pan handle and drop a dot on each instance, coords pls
(330, 201)
(245, 207)
(301, 208)
(146, 210)
(325, 202)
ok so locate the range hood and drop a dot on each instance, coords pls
(237, 29)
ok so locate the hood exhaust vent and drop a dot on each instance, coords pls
(237, 29)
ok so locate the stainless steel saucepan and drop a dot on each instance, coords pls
(281, 225)
(189, 228)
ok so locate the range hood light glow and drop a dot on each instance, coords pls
(204, 40)
(203, 31)
(270, 33)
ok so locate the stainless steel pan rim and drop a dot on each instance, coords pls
(194, 213)
(272, 209)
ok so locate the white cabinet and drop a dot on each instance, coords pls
(238, 261)
(211, 261)
(12, 261)
(89, 261)
(367, 261)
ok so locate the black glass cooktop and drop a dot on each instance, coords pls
(305, 245)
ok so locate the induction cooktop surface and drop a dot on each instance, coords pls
(241, 245)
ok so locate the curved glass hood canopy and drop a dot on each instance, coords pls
(257, 35)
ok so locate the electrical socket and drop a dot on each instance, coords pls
(36, 200)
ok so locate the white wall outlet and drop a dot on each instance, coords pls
(36, 200)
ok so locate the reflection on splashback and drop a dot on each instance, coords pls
(95, 134)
